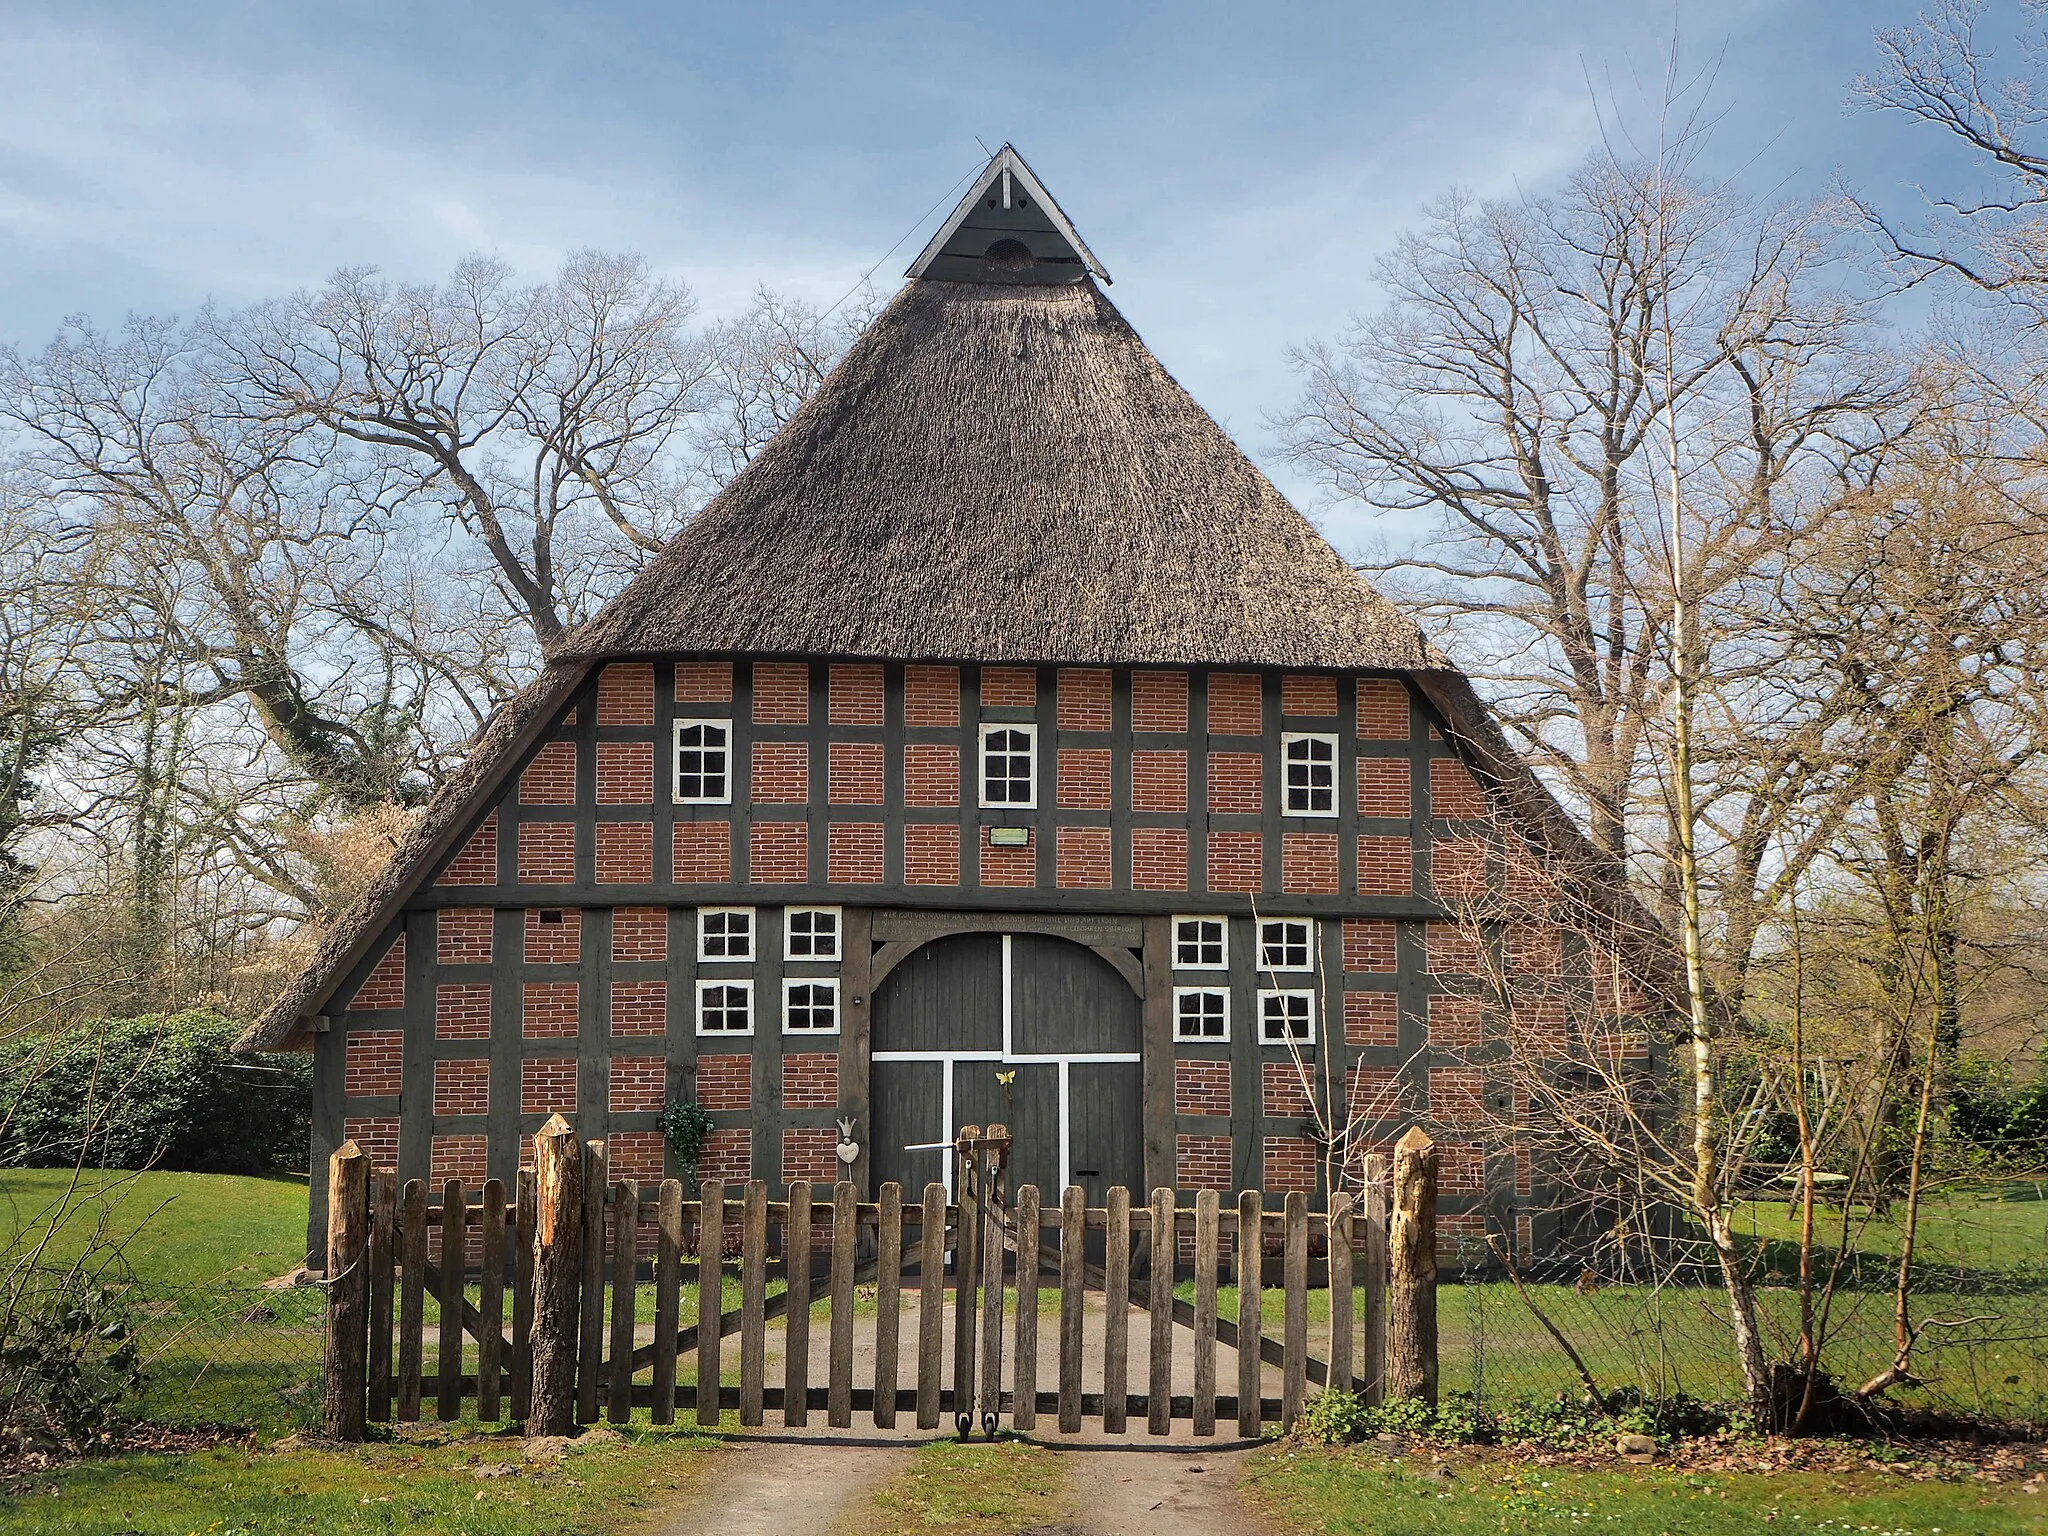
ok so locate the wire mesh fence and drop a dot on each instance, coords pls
(230, 1355)
(1979, 1295)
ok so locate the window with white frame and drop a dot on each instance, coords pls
(810, 933)
(1308, 765)
(1201, 944)
(810, 1007)
(1201, 1013)
(703, 762)
(1287, 1018)
(725, 1007)
(1009, 756)
(1287, 944)
(725, 933)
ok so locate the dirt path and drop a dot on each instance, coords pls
(770, 1486)
(1168, 1490)
(818, 1484)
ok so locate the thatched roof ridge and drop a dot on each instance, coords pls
(1005, 473)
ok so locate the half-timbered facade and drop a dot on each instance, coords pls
(999, 746)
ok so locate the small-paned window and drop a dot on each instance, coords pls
(1008, 760)
(810, 933)
(725, 1007)
(703, 762)
(1287, 944)
(1309, 764)
(1200, 944)
(725, 933)
(810, 1007)
(1201, 1013)
(1287, 1018)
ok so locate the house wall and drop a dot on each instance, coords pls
(552, 962)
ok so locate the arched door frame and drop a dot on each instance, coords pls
(1063, 1061)
(949, 925)
(872, 937)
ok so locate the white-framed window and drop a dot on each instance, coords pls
(1287, 1017)
(725, 1007)
(703, 762)
(1009, 764)
(810, 933)
(1201, 1013)
(1201, 944)
(1287, 944)
(810, 1007)
(725, 933)
(1308, 769)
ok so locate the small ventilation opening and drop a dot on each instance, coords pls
(551, 917)
(1010, 255)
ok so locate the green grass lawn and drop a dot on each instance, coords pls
(1965, 1233)
(179, 1229)
(1354, 1490)
(428, 1482)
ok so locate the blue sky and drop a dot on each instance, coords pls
(1237, 167)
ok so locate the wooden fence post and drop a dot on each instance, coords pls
(590, 1330)
(1374, 1379)
(348, 1292)
(454, 1260)
(1411, 1288)
(557, 1268)
(383, 1252)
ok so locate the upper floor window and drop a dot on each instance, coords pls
(1009, 755)
(810, 933)
(1287, 944)
(725, 933)
(1309, 766)
(1200, 944)
(703, 762)
(1201, 1013)
(810, 1007)
(1287, 1018)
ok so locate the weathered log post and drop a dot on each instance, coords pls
(1411, 1285)
(344, 1404)
(557, 1270)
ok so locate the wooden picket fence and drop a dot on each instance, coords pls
(569, 1238)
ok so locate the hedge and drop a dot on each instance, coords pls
(159, 1091)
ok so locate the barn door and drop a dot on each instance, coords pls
(960, 1013)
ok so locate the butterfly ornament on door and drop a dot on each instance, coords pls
(848, 1148)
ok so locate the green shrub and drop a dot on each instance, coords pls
(1334, 1417)
(1997, 1116)
(1337, 1418)
(69, 1369)
(1557, 1423)
(162, 1090)
(1340, 1418)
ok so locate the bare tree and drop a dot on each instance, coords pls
(761, 365)
(547, 419)
(1514, 388)
(1938, 71)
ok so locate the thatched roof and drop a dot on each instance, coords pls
(996, 472)
(1000, 472)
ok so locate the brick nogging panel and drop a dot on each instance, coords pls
(384, 988)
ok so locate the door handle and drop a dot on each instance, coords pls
(1087, 1173)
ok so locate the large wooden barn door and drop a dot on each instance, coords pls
(961, 1013)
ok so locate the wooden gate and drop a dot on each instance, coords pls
(957, 1290)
